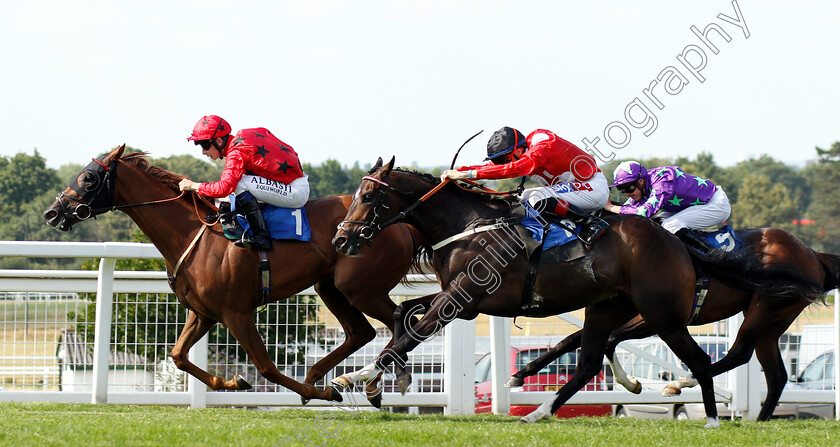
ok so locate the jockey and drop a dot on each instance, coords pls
(258, 167)
(572, 184)
(686, 202)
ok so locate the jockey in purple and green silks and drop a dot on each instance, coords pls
(686, 202)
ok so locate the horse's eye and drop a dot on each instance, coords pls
(89, 181)
(367, 197)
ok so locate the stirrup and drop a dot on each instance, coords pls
(591, 231)
(254, 242)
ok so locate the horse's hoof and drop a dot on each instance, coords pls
(341, 382)
(637, 389)
(404, 382)
(671, 390)
(514, 381)
(376, 400)
(241, 383)
(303, 400)
(336, 395)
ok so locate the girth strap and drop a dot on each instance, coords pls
(265, 277)
(531, 277)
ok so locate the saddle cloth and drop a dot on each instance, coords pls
(283, 223)
(555, 236)
(723, 238)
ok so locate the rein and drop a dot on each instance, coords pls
(131, 205)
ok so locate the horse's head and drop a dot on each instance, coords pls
(91, 193)
(368, 212)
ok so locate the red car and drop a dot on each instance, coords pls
(550, 378)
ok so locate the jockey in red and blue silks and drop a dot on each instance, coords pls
(572, 184)
(685, 202)
(258, 166)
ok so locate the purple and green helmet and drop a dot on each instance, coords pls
(627, 172)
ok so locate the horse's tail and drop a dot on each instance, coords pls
(745, 271)
(831, 266)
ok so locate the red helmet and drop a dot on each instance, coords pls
(209, 127)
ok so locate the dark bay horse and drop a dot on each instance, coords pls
(766, 317)
(635, 267)
(218, 281)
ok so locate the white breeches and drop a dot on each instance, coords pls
(284, 195)
(696, 217)
(588, 196)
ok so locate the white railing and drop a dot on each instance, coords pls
(457, 396)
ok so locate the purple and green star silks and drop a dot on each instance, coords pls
(669, 188)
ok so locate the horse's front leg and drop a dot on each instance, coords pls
(439, 314)
(242, 326)
(195, 328)
(357, 331)
(405, 319)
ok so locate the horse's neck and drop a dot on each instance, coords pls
(168, 225)
(449, 212)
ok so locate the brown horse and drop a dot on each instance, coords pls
(766, 318)
(635, 267)
(218, 281)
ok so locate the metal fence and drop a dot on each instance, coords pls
(53, 347)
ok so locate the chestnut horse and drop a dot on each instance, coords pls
(766, 318)
(218, 281)
(635, 267)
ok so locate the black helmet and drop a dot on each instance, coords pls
(502, 143)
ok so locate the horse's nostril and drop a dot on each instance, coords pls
(50, 214)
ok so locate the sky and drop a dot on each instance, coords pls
(355, 80)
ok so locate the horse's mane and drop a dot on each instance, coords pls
(140, 160)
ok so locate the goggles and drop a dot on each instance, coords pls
(626, 188)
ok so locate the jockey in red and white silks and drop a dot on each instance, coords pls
(573, 185)
(255, 161)
(564, 170)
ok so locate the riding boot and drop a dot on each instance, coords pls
(259, 237)
(592, 227)
(695, 241)
(229, 223)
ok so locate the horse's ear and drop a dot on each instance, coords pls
(391, 163)
(377, 165)
(114, 155)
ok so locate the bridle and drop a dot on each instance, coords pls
(92, 206)
(91, 200)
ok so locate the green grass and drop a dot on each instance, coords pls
(40, 424)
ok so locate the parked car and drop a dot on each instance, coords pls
(550, 378)
(818, 375)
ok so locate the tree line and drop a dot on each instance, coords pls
(763, 192)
